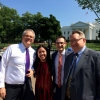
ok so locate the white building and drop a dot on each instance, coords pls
(90, 29)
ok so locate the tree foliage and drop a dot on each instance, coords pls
(93, 5)
(12, 25)
(50, 28)
(8, 19)
(99, 33)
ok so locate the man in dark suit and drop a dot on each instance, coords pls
(60, 45)
(85, 72)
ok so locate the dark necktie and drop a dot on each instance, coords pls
(59, 69)
(71, 74)
(27, 60)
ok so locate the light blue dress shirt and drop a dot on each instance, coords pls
(79, 54)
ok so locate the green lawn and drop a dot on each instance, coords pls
(94, 46)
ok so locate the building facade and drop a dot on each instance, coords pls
(90, 30)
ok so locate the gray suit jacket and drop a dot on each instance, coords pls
(85, 84)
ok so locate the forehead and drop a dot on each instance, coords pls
(76, 36)
(41, 49)
(60, 40)
(29, 33)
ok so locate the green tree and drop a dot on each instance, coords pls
(31, 21)
(12, 25)
(99, 33)
(93, 5)
(49, 28)
(8, 19)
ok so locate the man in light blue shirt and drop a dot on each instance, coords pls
(13, 71)
(81, 71)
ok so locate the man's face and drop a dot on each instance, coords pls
(60, 44)
(77, 42)
(28, 39)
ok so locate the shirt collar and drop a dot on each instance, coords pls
(24, 48)
(81, 51)
(63, 52)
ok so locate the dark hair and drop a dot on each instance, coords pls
(61, 37)
(37, 59)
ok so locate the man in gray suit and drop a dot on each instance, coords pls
(81, 73)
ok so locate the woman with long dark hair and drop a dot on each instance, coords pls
(42, 67)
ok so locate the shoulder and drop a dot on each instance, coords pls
(12, 46)
(54, 53)
(69, 49)
(91, 52)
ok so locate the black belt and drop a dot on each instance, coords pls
(14, 85)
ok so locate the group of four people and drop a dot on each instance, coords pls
(69, 75)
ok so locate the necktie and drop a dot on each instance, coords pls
(59, 69)
(71, 74)
(27, 60)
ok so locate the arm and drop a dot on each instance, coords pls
(98, 76)
(4, 63)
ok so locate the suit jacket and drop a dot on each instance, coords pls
(53, 64)
(85, 84)
(28, 93)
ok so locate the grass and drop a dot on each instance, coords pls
(94, 46)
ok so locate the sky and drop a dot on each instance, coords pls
(66, 11)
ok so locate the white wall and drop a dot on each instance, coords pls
(90, 30)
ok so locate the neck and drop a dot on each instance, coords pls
(43, 60)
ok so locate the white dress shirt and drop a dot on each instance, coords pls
(56, 67)
(12, 69)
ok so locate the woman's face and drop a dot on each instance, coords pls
(42, 54)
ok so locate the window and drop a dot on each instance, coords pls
(96, 31)
(68, 32)
(64, 32)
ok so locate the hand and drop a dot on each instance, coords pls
(2, 92)
(30, 73)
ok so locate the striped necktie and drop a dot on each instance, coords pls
(71, 74)
(59, 69)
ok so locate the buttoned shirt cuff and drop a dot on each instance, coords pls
(2, 85)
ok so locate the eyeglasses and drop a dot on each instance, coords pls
(60, 43)
(74, 41)
(28, 36)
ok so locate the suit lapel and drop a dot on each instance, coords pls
(81, 61)
(67, 66)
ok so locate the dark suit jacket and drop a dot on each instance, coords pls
(85, 84)
(53, 64)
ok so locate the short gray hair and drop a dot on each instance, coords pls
(81, 34)
(26, 30)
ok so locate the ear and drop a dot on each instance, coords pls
(84, 40)
(65, 43)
